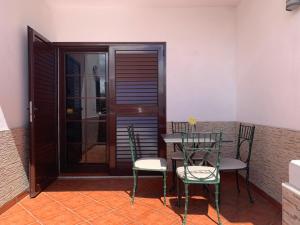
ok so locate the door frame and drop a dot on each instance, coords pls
(109, 46)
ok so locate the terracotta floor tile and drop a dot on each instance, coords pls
(13, 210)
(33, 203)
(18, 218)
(116, 202)
(151, 202)
(66, 218)
(107, 202)
(123, 193)
(133, 212)
(76, 201)
(62, 196)
(92, 210)
(157, 218)
(111, 219)
(83, 223)
(101, 195)
(49, 211)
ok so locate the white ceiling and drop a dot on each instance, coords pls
(141, 3)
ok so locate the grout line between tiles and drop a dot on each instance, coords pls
(70, 210)
(112, 209)
(37, 219)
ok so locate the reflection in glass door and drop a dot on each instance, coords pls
(85, 108)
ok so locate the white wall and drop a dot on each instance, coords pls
(15, 15)
(200, 56)
(200, 50)
(268, 64)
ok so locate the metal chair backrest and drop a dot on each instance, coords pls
(205, 142)
(246, 136)
(132, 143)
(182, 127)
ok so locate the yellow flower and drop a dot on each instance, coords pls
(192, 120)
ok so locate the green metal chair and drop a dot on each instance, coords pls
(207, 143)
(177, 154)
(154, 164)
(239, 163)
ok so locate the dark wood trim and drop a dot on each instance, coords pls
(103, 44)
(61, 112)
(13, 201)
(111, 115)
(32, 179)
(82, 48)
(263, 194)
(162, 92)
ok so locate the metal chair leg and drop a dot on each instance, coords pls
(248, 186)
(178, 192)
(173, 174)
(237, 181)
(217, 195)
(137, 180)
(186, 189)
(165, 186)
(134, 186)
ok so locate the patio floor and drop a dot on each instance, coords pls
(107, 201)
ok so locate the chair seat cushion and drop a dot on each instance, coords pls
(151, 164)
(178, 155)
(206, 173)
(229, 164)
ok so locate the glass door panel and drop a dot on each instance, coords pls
(74, 86)
(85, 108)
(96, 86)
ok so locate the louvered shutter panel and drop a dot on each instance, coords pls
(137, 78)
(136, 99)
(146, 130)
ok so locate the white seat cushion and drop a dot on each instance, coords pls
(229, 164)
(207, 173)
(151, 164)
(178, 155)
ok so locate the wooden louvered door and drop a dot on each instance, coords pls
(43, 112)
(138, 97)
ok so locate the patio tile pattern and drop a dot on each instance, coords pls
(107, 202)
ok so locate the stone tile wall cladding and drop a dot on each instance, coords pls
(272, 150)
(13, 163)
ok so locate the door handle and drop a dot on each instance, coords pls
(31, 111)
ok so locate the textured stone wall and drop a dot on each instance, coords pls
(290, 205)
(273, 149)
(13, 163)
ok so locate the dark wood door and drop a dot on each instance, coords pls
(43, 112)
(137, 96)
